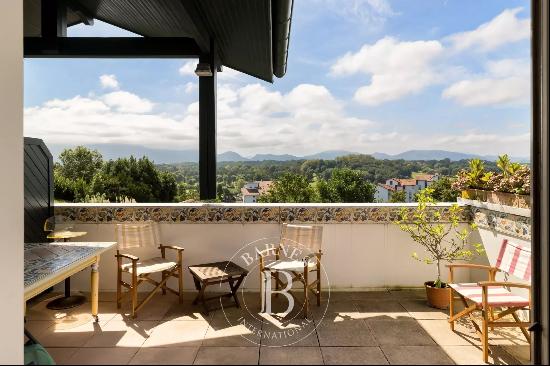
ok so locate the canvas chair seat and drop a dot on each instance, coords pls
(152, 265)
(289, 265)
(496, 296)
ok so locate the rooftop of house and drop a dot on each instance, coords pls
(263, 187)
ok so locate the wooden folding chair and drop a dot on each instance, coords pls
(489, 296)
(139, 235)
(307, 239)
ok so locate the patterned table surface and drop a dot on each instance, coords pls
(44, 260)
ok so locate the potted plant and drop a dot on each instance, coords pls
(443, 242)
(510, 186)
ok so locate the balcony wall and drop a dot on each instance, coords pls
(363, 247)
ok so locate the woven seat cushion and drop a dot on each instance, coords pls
(289, 265)
(152, 265)
(497, 295)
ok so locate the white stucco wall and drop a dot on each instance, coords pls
(356, 256)
(11, 187)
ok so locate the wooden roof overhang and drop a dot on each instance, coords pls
(250, 36)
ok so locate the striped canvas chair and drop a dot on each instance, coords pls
(490, 296)
(140, 235)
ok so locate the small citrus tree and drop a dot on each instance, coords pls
(444, 242)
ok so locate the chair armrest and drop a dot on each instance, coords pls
(504, 283)
(127, 256)
(174, 247)
(470, 265)
(312, 255)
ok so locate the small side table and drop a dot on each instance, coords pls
(217, 273)
(67, 301)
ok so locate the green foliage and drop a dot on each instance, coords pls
(346, 185)
(187, 192)
(442, 190)
(511, 177)
(442, 241)
(82, 176)
(80, 163)
(134, 178)
(290, 187)
(398, 197)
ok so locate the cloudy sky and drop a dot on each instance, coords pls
(363, 75)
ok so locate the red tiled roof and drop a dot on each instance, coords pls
(406, 182)
(263, 187)
(426, 177)
(389, 188)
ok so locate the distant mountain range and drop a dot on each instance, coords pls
(439, 155)
(163, 156)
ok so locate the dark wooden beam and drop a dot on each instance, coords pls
(53, 18)
(111, 47)
(83, 14)
(207, 132)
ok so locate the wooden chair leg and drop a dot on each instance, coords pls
(276, 275)
(134, 294)
(119, 288)
(318, 283)
(451, 309)
(163, 287)
(485, 326)
(180, 283)
(306, 292)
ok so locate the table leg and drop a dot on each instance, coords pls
(95, 290)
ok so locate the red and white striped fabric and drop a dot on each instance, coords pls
(497, 295)
(515, 260)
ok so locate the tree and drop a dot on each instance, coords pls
(441, 242)
(136, 179)
(291, 188)
(442, 190)
(80, 162)
(398, 197)
(346, 185)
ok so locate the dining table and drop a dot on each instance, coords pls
(49, 263)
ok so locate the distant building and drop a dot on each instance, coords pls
(410, 186)
(252, 190)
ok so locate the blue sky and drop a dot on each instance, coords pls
(363, 75)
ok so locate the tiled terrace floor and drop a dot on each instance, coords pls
(390, 327)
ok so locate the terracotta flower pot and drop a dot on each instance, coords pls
(437, 297)
(502, 198)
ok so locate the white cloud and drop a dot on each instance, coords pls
(190, 87)
(127, 102)
(251, 119)
(396, 68)
(505, 82)
(504, 28)
(109, 81)
(372, 13)
(188, 68)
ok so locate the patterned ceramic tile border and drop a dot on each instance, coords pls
(244, 214)
(502, 222)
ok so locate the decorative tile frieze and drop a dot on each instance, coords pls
(245, 214)
(502, 222)
(264, 215)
